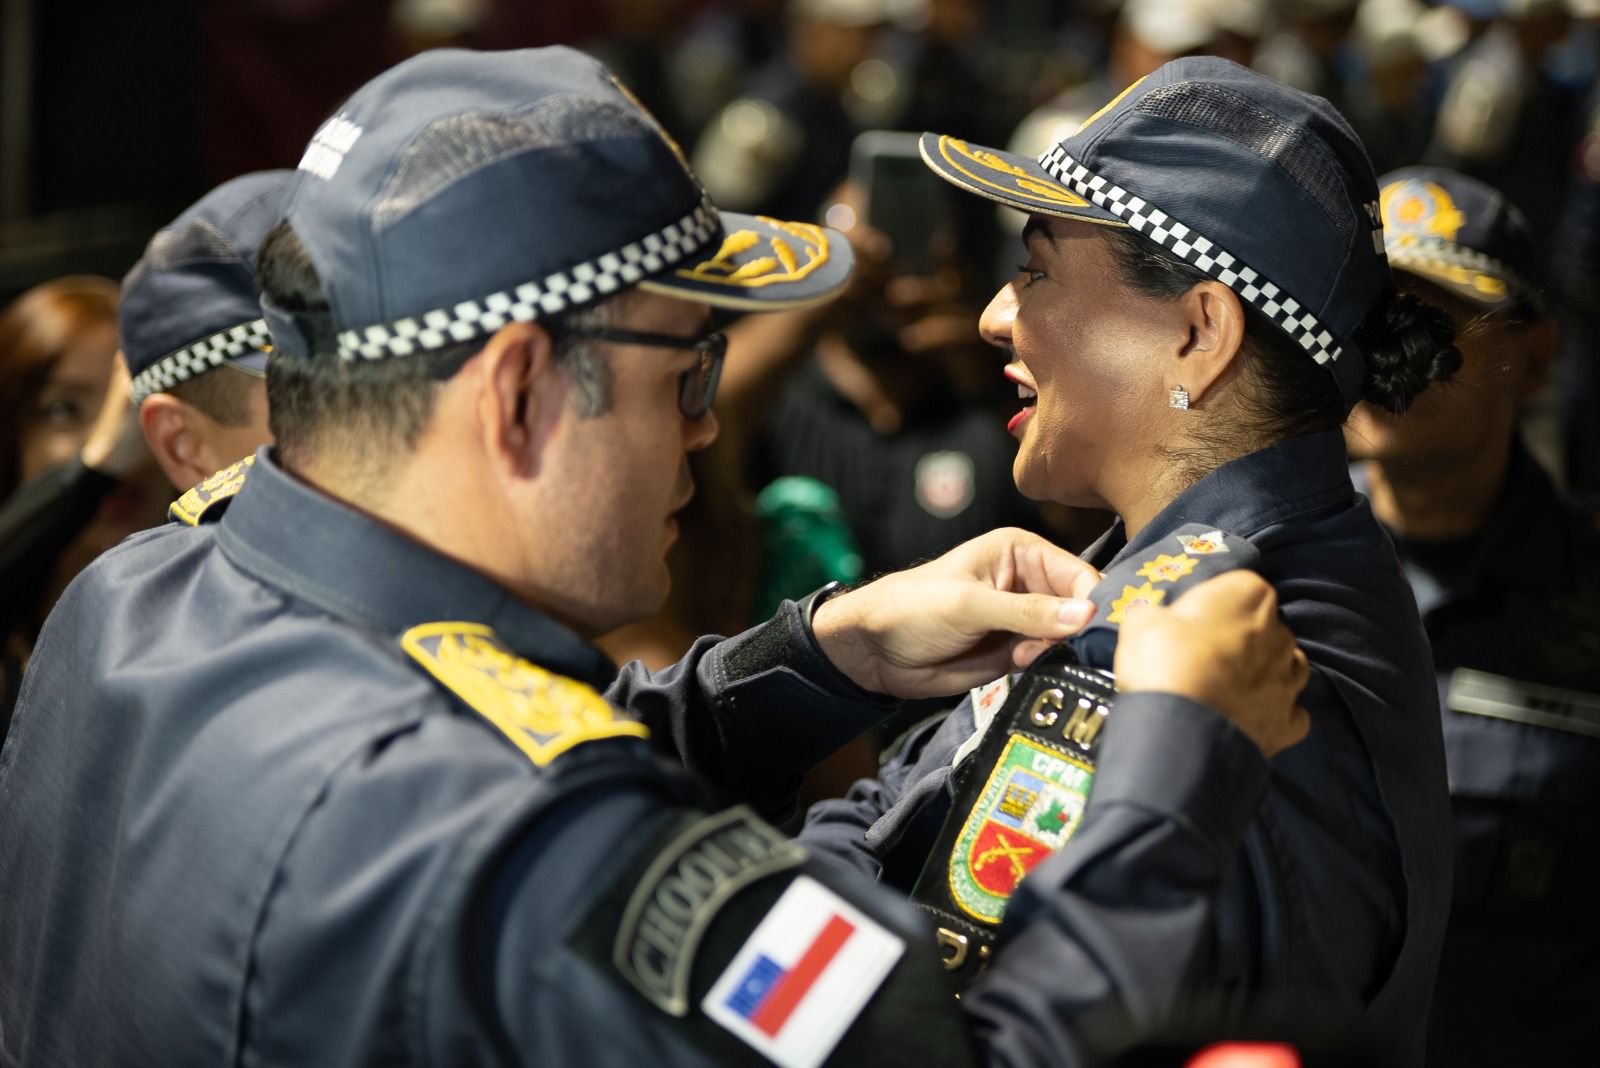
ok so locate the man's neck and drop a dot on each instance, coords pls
(1437, 502)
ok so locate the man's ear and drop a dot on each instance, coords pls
(1214, 325)
(520, 395)
(1538, 345)
(175, 440)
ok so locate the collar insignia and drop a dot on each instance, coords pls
(211, 496)
(1166, 568)
(541, 713)
(1131, 594)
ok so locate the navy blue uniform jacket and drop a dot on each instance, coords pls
(1519, 603)
(1337, 898)
(239, 825)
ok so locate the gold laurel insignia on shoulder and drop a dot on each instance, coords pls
(1166, 568)
(786, 262)
(542, 713)
(193, 506)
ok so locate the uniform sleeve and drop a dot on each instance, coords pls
(1110, 928)
(747, 716)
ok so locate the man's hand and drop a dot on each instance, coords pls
(116, 445)
(1224, 646)
(982, 609)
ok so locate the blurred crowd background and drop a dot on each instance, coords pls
(856, 438)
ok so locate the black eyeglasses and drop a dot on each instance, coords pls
(696, 388)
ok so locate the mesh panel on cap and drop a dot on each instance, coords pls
(1236, 117)
(453, 148)
(199, 240)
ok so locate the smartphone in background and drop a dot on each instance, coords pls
(904, 199)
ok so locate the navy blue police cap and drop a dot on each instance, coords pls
(191, 304)
(460, 191)
(1263, 187)
(1460, 234)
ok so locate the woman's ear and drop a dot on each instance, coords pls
(1215, 323)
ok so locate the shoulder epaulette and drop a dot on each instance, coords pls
(207, 500)
(1159, 575)
(541, 713)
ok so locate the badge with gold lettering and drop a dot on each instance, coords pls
(1029, 808)
(542, 713)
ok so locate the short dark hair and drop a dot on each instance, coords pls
(376, 409)
(223, 393)
(1407, 345)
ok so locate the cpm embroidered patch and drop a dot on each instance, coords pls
(679, 894)
(803, 976)
(542, 713)
(1031, 805)
(191, 508)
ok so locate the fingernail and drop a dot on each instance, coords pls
(1075, 612)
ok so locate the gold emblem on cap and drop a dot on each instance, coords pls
(1004, 177)
(782, 265)
(1415, 209)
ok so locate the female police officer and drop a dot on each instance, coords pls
(1205, 297)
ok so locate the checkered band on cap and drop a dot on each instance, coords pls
(202, 356)
(1198, 251)
(556, 293)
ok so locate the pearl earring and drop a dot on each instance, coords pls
(1178, 398)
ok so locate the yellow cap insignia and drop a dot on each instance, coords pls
(1166, 568)
(542, 713)
(1413, 210)
(783, 265)
(990, 171)
(192, 506)
(1131, 594)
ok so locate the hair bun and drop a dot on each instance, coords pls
(1413, 348)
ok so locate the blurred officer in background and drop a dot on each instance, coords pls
(1506, 573)
(191, 336)
(322, 773)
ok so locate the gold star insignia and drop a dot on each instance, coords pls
(1166, 568)
(1146, 593)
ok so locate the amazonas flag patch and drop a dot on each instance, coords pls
(803, 976)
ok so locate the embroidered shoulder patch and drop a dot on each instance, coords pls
(677, 897)
(1032, 803)
(192, 507)
(542, 713)
(1132, 595)
(803, 976)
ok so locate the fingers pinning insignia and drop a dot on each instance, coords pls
(1131, 595)
(196, 502)
(542, 713)
(1167, 568)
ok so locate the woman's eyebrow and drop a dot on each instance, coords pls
(1039, 227)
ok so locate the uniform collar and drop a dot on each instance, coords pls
(1247, 495)
(347, 564)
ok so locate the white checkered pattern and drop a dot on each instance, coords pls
(200, 357)
(552, 295)
(1196, 250)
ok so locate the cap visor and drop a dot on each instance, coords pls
(1005, 178)
(762, 265)
(1474, 286)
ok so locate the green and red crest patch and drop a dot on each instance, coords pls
(1029, 808)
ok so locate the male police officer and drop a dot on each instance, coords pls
(326, 780)
(192, 334)
(1507, 575)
